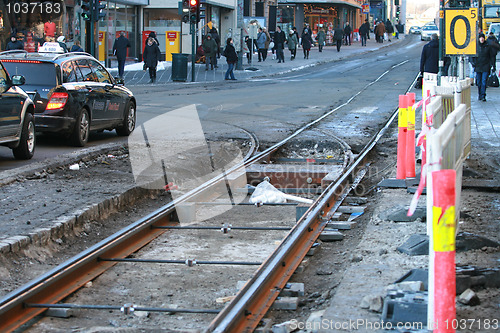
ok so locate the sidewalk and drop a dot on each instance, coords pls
(134, 75)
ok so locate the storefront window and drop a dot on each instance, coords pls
(118, 18)
(285, 18)
(31, 22)
(161, 20)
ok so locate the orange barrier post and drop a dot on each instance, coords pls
(443, 229)
(402, 134)
(410, 140)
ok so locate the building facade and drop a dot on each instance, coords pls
(137, 18)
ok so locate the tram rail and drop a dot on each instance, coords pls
(245, 311)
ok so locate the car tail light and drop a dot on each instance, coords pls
(57, 101)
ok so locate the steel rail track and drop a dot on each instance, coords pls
(240, 315)
(253, 301)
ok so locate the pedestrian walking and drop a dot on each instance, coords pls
(268, 41)
(151, 56)
(306, 42)
(14, 44)
(347, 34)
(338, 36)
(429, 59)
(120, 51)
(279, 44)
(321, 38)
(482, 64)
(364, 32)
(292, 42)
(210, 50)
(379, 32)
(76, 47)
(216, 38)
(261, 45)
(493, 42)
(231, 59)
(389, 28)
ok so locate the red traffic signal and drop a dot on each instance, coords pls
(193, 5)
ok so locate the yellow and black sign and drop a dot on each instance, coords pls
(461, 31)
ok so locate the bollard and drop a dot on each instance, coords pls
(402, 134)
(443, 246)
(410, 140)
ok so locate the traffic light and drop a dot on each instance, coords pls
(194, 9)
(99, 10)
(398, 11)
(185, 10)
(86, 9)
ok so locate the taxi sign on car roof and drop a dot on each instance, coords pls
(50, 47)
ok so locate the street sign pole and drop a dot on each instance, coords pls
(92, 28)
(193, 51)
(441, 42)
(239, 27)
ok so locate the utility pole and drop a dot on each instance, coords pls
(193, 50)
(441, 41)
(239, 31)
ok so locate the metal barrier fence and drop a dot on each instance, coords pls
(446, 151)
(453, 92)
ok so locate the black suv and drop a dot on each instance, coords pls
(73, 94)
(17, 126)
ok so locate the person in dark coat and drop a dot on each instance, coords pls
(76, 47)
(430, 56)
(338, 36)
(279, 44)
(364, 32)
(306, 42)
(210, 51)
(347, 34)
(321, 38)
(216, 38)
(389, 28)
(120, 51)
(482, 64)
(493, 42)
(151, 56)
(14, 44)
(231, 59)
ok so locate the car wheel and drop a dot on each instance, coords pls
(26, 147)
(80, 135)
(128, 124)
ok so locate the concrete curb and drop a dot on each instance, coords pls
(72, 225)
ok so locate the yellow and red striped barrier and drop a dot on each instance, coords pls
(410, 139)
(402, 136)
(443, 245)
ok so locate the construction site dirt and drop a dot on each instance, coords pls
(337, 279)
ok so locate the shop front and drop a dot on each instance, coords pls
(325, 15)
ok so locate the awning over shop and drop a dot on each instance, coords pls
(133, 2)
(321, 2)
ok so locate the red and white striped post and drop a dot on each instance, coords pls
(443, 250)
(402, 134)
(410, 140)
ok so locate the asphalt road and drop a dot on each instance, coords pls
(268, 105)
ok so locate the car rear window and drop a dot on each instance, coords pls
(36, 73)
